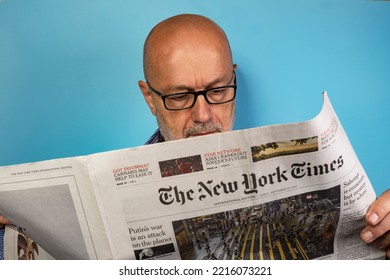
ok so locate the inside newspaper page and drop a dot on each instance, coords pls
(294, 191)
(53, 204)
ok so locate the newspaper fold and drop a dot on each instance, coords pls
(295, 191)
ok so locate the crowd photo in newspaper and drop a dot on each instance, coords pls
(294, 191)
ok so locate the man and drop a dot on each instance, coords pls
(191, 53)
(190, 87)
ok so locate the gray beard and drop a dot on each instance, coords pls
(196, 128)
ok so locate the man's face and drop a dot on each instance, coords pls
(190, 67)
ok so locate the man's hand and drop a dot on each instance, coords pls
(377, 231)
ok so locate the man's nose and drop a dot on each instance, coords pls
(201, 112)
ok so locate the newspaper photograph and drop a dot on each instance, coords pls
(22, 247)
(282, 192)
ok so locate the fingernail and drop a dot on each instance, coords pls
(373, 218)
(367, 236)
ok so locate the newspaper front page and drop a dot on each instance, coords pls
(295, 191)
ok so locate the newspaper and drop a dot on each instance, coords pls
(295, 191)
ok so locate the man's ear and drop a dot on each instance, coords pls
(147, 95)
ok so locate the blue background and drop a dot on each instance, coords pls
(69, 71)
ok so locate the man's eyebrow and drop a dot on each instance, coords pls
(183, 88)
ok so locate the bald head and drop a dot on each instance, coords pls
(179, 34)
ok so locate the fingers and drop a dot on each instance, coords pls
(379, 209)
(4, 221)
(383, 242)
(370, 232)
(378, 220)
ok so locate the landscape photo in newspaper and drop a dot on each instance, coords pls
(284, 148)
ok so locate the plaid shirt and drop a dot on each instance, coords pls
(155, 138)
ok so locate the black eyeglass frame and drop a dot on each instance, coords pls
(196, 94)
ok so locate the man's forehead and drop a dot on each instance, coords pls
(183, 59)
(190, 83)
(177, 46)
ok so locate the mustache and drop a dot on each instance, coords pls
(199, 128)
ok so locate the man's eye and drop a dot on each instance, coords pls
(179, 98)
(217, 91)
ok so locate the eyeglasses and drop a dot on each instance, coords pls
(186, 100)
